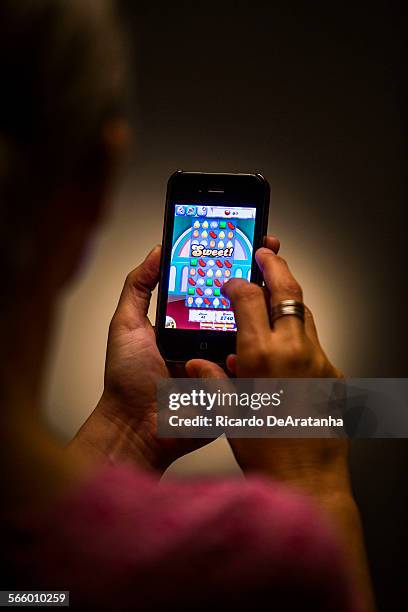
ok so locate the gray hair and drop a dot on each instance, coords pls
(63, 71)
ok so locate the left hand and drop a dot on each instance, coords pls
(123, 425)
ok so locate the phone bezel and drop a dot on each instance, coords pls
(251, 190)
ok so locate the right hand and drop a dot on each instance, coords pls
(291, 348)
(288, 349)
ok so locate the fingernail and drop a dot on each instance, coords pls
(243, 280)
(263, 249)
(224, 285)
(157, 246)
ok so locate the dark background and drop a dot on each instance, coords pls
(311, 95)
(312, 98)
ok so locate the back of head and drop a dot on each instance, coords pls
(63, 77)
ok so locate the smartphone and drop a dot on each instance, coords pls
(213, 225)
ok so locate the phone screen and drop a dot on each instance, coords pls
(210, 245)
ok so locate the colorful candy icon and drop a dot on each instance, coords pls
(223, 301)
(214, 224)
(216, 302)
(189, 300)
(210, 273)
(204, 234)
(227, 273)
(221, 235)
(218, 263)
(218, 273)
(190, 291)
(212, 243)
(205, 224)
(195, 233)
(200, 291)
(204, 242)
(196, 224)
(192, 271)
(213, 234)
(201, 272)
(230, 234)
(192, 282)
(207, 301)
(199, 301)
(210, 262)
(228, 263)
(217, 292)
(193, 262)
(202, 263)
(229, 244)
(220, 244)
(209, 282)
(208, 292)
(217, 282)
(200, 281)
(231, 225)
(223, 224)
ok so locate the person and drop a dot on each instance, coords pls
(93, 518)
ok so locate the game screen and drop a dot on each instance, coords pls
(210, 245)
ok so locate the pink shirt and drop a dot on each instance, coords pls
(123, 541)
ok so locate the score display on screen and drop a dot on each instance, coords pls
(210, 245)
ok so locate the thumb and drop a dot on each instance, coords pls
(201, 368)
(135, 297)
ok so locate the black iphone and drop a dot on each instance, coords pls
(212, 227)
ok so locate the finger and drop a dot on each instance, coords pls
(135, 297)
(201, 368)
(281, 285)
(251, 315)
(176, 369)
(231, 363)
(143, 279)
(273, 243)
